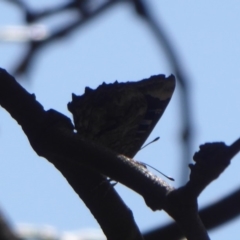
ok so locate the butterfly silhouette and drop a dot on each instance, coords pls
(121, 116)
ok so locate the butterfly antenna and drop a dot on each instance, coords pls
(170, 178)
(157, 138)
(154, 140)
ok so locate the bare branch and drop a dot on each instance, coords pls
(24, 64)
(5, 232)
(51, 135)
(212, 216)
(178, 70)
(43, 129)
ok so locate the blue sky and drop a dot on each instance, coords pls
(119, 46)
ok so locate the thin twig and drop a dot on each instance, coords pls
(165, 43)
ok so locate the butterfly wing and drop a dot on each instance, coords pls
(121, 116)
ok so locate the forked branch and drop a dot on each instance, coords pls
(84, 164)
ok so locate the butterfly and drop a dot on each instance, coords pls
(121, 116)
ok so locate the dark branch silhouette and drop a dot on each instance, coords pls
(178, 69)
(51, 135)
(6, 233)
(86, 14)
(212, 216)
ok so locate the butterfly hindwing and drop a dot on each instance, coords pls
(121, 116)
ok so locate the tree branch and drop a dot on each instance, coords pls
(51, 135)
(33, 47)
(114, 217)
(5, 232)
(212, 216)
(165, 43)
